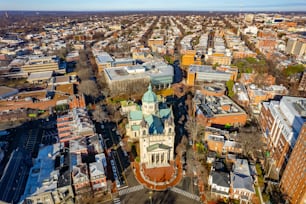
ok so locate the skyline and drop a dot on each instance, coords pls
(159, 5)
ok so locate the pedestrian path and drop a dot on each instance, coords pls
(186, 194)
(130, 190)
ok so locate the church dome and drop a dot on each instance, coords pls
(149, 96)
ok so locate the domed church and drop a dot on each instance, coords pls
(153, 126)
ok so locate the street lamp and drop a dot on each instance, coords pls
(150, 195)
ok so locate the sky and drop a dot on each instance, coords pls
(192, 5)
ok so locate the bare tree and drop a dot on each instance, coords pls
(89, 88)
(189, 104)
(85, 73)
(116, 117)
(99, 115)
(276, 195)
(180, 149)
(194, 129)
(250, 142)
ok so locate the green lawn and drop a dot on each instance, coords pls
(260, 175)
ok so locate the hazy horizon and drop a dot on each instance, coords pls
(157, 5)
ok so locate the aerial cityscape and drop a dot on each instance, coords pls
(157, 102)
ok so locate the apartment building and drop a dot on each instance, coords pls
(218, 54)
(296, 46)
(218, 58)
(302, 85)
(76, 124)
(282, 121)
(97, 174)
(293, 182)
(81, 182)
(49, 179)
(266, 40)
(155, 43)
(189, 58)
(258, 95)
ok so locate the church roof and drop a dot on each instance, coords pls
(155, 124)
(165, 113)
(157, 146)
(149, 96)
(136, 115)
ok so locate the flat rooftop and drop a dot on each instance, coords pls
(104, 57)
(43, 176)
(203, 68)
(40, 75)
(138, 71)
(212, 106)
(6, 90)
(49, 172)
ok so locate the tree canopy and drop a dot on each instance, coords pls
(89, 88)
(294, 69)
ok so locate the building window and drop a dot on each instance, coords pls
(144, 132)
(169, 130)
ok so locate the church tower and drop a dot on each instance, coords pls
(149, 102)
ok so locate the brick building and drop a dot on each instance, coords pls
(302, 85)
(293, 182)
(281, 122)
(76, 124)
(222, 110)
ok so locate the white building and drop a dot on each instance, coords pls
(153, 127)
(242, 181)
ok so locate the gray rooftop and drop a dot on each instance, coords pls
(241, 166)
(40, 75)
(104, 57)
(241, 181)
(221, 179)
(138, 71)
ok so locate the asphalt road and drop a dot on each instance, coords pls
(13, 182)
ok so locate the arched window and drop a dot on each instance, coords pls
(135, 134)
(144, 132)
(170, 130)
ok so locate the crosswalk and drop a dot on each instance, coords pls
(117, 201)
(185, 193)
(130, 190)
(140, 187)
